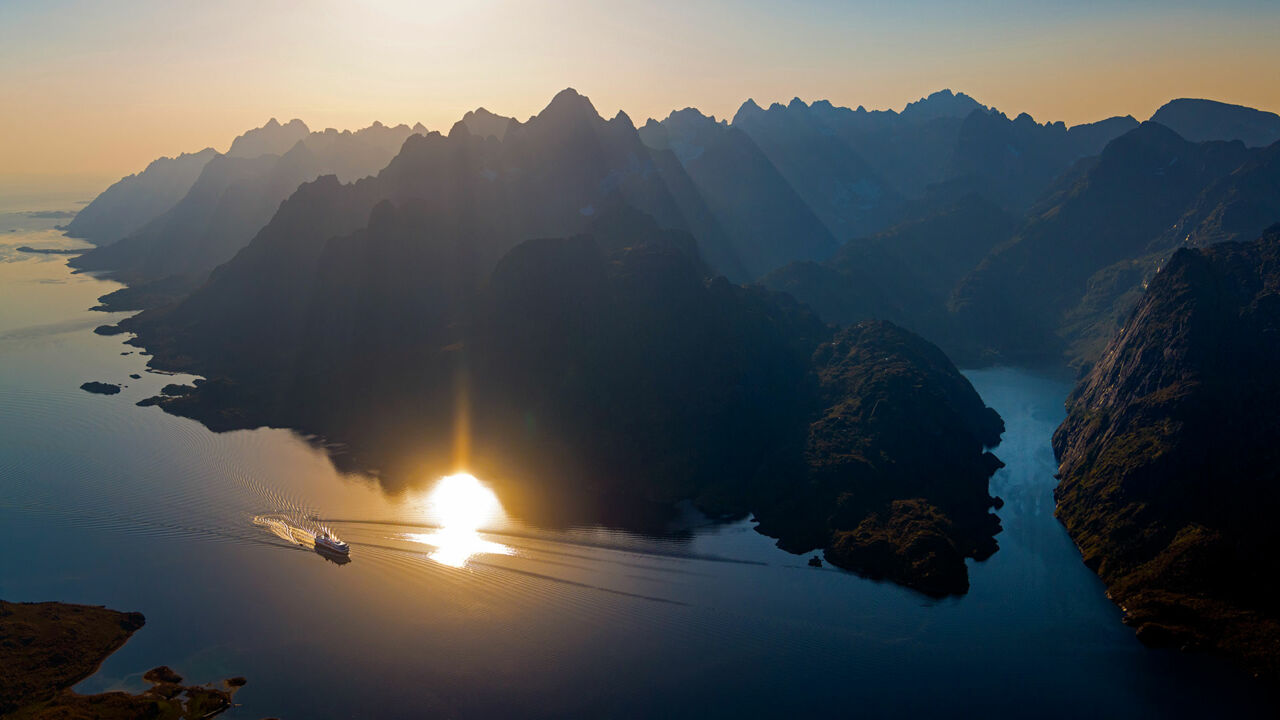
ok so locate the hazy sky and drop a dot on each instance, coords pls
(98, 89)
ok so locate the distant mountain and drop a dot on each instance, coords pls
(230, 201)
(1202, 120)
(134, 200)
(234, 197)
(905, 274)
(1024, 301)
(911, 150)
(606, 370)
(860, 172)
(483, 123)
(949, 145)
(1169, 458)
(938, 105)
(1013, 162)
(270, 139)
(765, 220)
(837, 183)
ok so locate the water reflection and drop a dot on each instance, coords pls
(462, 505)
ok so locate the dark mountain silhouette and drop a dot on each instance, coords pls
(606, 369)
(1203, 120)
(270, 139)
(1169, 458)
(548, 177)
(767, 223)
(234, 197)
(133, 201)
(1041, 293)
(905, 274)
(841, 188)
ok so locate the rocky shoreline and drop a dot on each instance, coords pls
(47, 648)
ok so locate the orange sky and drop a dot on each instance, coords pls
(95, 90)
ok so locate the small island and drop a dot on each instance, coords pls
(100, 388)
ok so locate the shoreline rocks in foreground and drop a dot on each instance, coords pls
(47, 648)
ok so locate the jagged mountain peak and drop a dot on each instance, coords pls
(943, 103)
(623, 119)
(691, 117)
(569, 102)
(270, 139)
(747, 109)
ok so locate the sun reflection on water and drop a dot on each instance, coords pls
(462, 505)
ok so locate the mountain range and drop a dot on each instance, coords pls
(232, 198)
(134, 200)
(743, 313)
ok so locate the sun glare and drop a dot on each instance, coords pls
(462, 505)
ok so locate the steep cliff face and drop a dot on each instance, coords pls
(1169, 460)
(135, 200)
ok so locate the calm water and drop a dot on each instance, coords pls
(106, 503)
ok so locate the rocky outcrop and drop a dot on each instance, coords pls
(100, 388)
(895, 509)
(1169, 460)
(46, 648)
